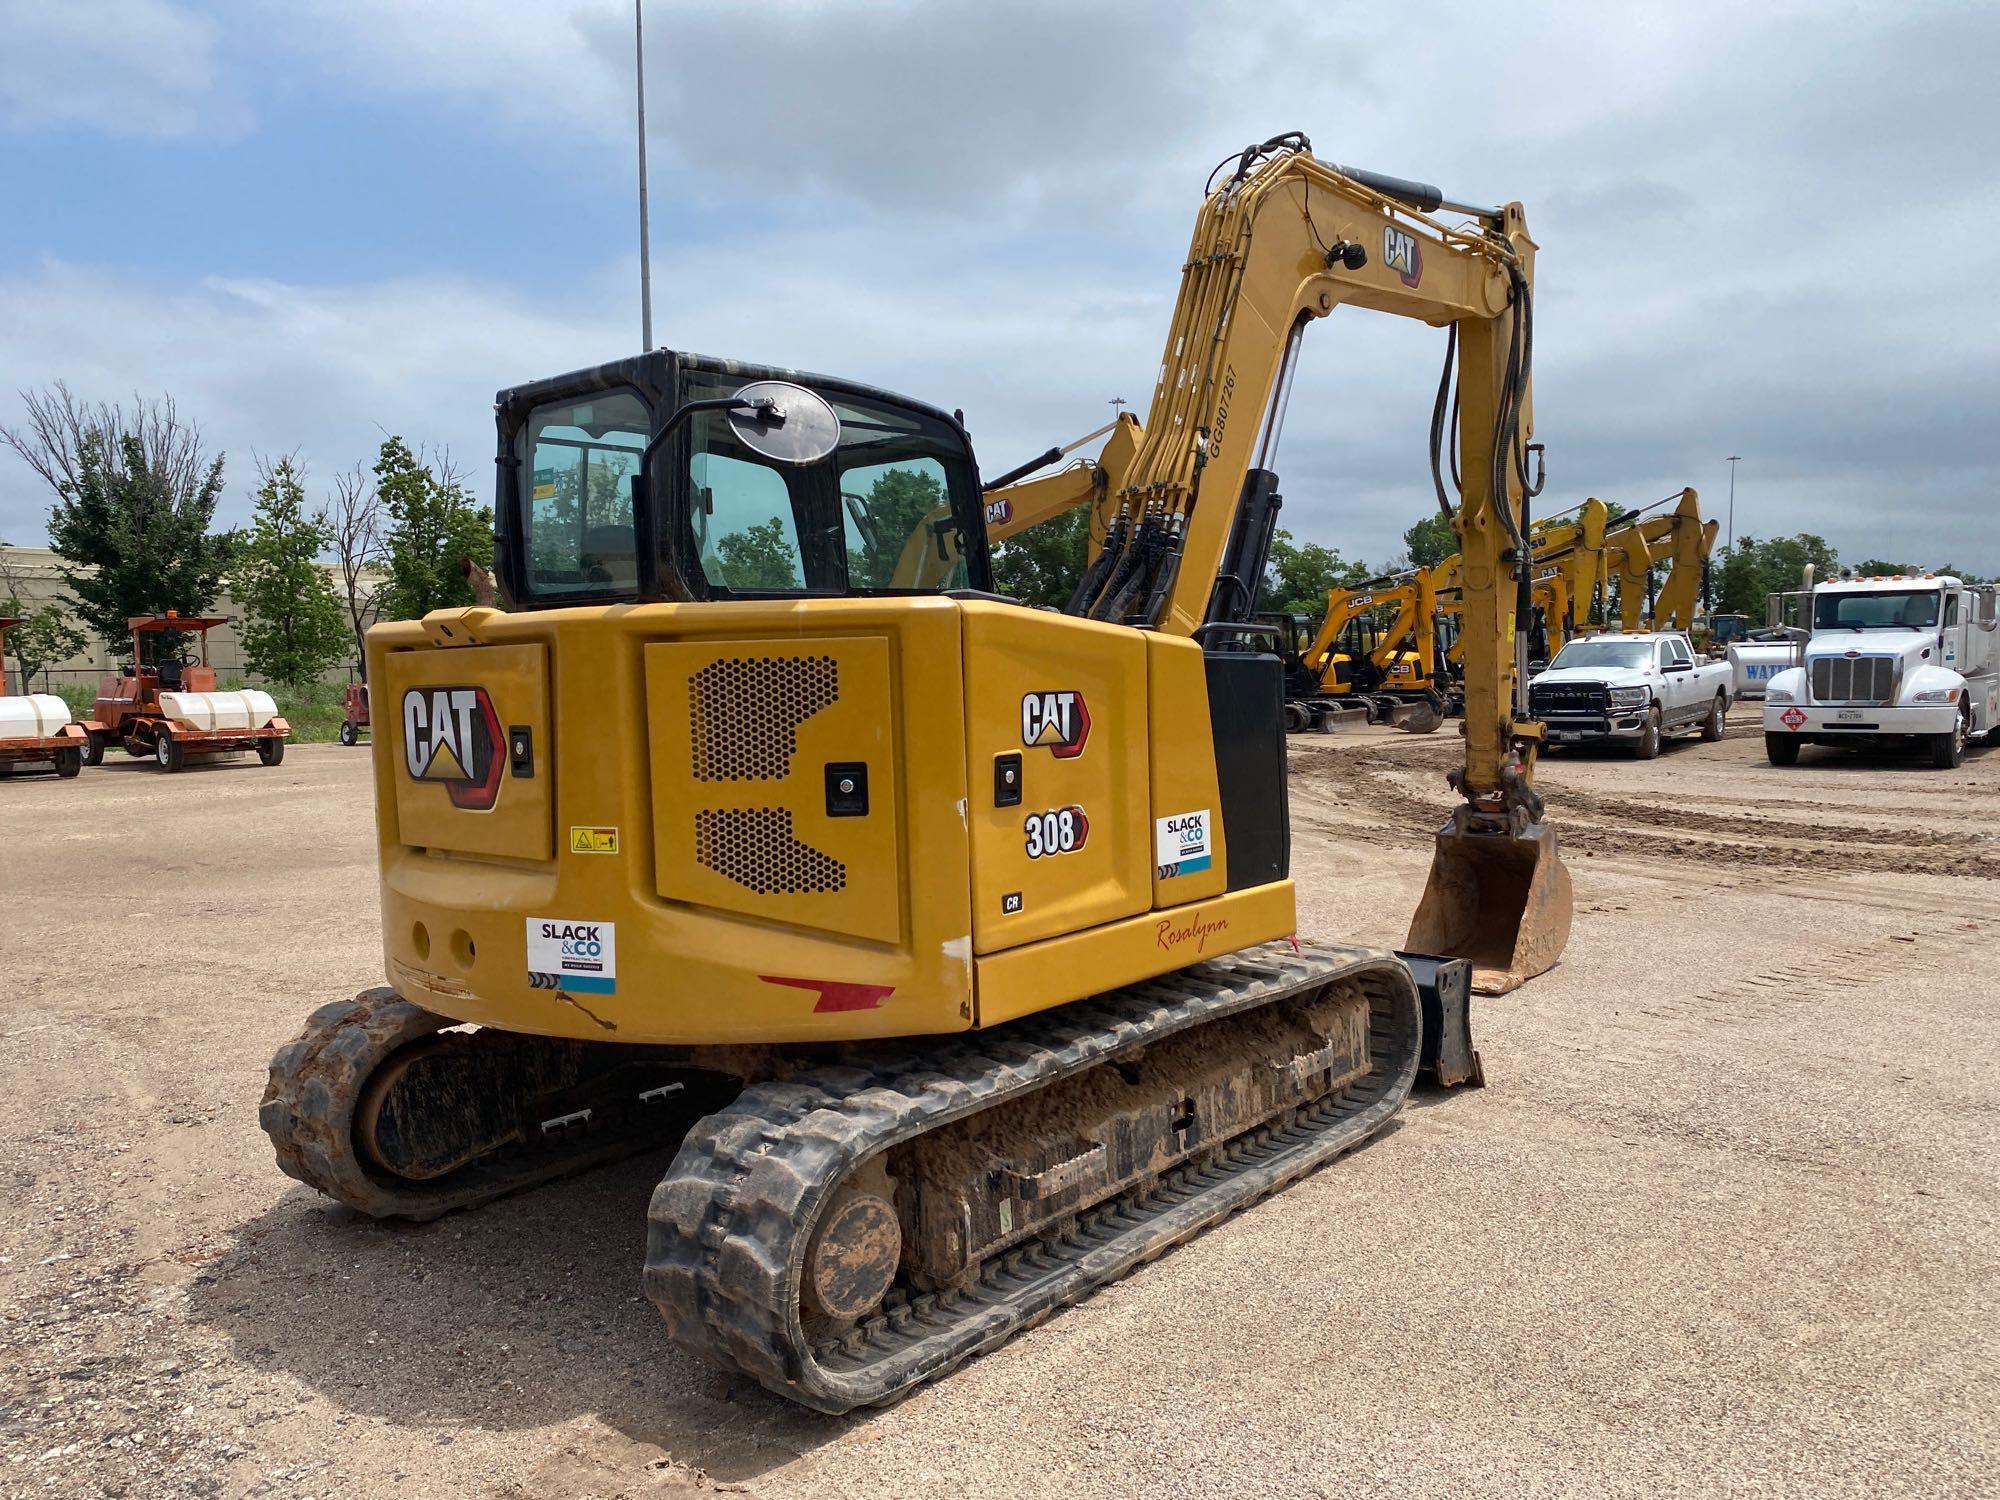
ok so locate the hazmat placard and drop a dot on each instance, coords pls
(593, 840)
(579, 956)
(1180, 843)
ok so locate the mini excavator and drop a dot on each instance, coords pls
(952, 941)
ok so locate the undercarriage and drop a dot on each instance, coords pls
(842, 1223)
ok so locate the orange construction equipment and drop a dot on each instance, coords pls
(354, 716)
(35, 727)
(166, 706)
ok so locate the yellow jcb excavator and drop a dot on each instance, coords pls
(953, 939)
(1376, 649)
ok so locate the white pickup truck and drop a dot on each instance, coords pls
(1632, 688)
(1897, 660)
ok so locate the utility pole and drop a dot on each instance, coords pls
(645, 239)
(1734, 460)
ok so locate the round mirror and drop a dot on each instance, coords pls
(784, 422)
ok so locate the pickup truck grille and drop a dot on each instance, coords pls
(1568, 698)
(1854, 679)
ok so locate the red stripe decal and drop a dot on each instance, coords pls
(837, 994)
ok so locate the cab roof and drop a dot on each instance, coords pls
(1894, 582)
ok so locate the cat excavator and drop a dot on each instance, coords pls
(952, 941)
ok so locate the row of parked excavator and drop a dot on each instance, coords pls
(164, 707)
(1387, 650)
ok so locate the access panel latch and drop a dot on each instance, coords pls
(847, 789)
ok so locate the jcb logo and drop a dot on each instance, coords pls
(452, 735)
(1404, 255)
(1058, 721)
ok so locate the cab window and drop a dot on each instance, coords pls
(885, 507)
(855, 523)
(744, 525)
(577, 459)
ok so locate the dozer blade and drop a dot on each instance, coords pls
(1500, 900)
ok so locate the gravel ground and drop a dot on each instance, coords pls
(1723, 1222)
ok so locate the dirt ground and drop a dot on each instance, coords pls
(1723, 1222)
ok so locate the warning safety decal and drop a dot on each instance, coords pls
(579, 956)
(1180, 843)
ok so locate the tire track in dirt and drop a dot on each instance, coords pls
(1372, 780)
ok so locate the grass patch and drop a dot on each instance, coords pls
(313, 709)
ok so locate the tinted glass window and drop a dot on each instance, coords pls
(743, 522)
(885, 507)
(577, 461)
(1601, 653)
(863, 520)
(1900, 609)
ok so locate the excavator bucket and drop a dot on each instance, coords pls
(1500, 900)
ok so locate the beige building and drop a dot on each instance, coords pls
(31, 573)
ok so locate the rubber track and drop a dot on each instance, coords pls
(316, 1082)
(728, 1225)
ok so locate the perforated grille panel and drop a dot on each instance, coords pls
(744, 713)
(754, 847)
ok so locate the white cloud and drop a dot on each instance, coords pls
(986, 207)
(123, 67)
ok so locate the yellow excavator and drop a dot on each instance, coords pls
(952, 940)
(1376, 650)
(1569, 563)
(1679, 537)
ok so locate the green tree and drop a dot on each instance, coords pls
(1430, 541)
(294, 628)
(1042, 565)
(1300, 573)
(134, 540)
(1753, 569)
(433, 527)
(759, 557)
(44, 636)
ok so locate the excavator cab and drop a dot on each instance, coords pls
(673, 477)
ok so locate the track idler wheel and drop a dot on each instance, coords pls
(1500, 899)
(853, 1255)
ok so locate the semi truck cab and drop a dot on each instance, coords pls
(1891, 661)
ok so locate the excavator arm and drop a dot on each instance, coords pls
(1283, 241)
(1181, 519)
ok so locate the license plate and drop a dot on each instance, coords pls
(1848, 715)
(1566, 734)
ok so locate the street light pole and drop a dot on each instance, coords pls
(645, 240)
(1734, 460)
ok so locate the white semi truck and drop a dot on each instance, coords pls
(1896, 660)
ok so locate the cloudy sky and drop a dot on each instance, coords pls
(1766, 229)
